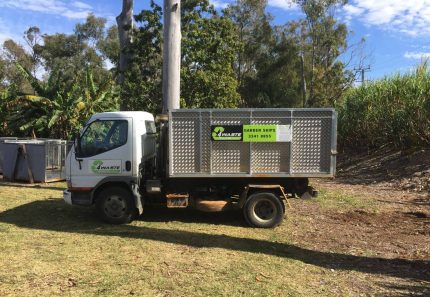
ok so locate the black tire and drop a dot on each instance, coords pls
(115, 205)
(263, 210)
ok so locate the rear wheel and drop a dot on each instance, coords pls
(263, 210)
(115, 205)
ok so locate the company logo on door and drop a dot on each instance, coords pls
(105, 166)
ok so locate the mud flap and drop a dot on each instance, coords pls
(310, 193)
(137, 198)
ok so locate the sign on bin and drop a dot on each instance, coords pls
(252, 133)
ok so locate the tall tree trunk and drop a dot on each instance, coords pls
(303, 86)
(171, 55)
(125, 26)
(312, 80)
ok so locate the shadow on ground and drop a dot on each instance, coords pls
(413, 289)
(162, 214)
(52, 186)
(53, 215)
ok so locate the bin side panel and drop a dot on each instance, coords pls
(185, 148)
(10, 153)
(271, 157)
(193, 153)
(37, 155)
(206, 145)
(230, 157)
(311, 145)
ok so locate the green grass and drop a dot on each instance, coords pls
(345, 201)
(50, 249)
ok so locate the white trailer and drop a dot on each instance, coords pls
(210, 159)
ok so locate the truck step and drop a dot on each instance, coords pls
(177, 200)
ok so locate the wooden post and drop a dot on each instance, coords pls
(171, 55)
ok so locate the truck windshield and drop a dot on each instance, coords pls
(102, 136)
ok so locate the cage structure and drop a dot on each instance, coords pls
(40, 160)
(300, 142)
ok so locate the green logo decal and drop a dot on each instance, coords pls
(230, 133)
(106, 166)
(96, 166)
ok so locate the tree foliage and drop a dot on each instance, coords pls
(208, 52)
(322, 40)
(59, 106)
(141, 89)
(233, 57)
(74, 85)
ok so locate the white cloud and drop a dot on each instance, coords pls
(74, 10)
(410, 17)
(417, 55)
(75, 14)
(283, 4)
(81, 5)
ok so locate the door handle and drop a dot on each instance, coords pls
(128, 165)
(80, 163)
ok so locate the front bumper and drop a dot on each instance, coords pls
(67, 196)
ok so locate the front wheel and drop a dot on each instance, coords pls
(115, 205)
(263, 210)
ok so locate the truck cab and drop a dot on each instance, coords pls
(105, 159)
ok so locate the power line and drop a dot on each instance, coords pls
(363, 71)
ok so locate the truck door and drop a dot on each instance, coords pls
(106, 150)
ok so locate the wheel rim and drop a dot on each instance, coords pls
(265, 210)
(115, 206)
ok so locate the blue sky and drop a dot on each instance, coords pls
(397, 32)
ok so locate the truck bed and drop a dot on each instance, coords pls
(259, 143)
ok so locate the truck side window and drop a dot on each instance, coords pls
(103, 136)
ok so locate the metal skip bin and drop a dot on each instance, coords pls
(277, 142)
(39, 160)
(2, 140)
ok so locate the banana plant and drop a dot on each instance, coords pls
(60, 106)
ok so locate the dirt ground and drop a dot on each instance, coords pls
(389, 234)
(402, 169)
(391, 219)
(396, 217)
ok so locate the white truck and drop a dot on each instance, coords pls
(210, 159)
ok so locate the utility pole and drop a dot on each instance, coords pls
(362, 70)
(171, 55)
